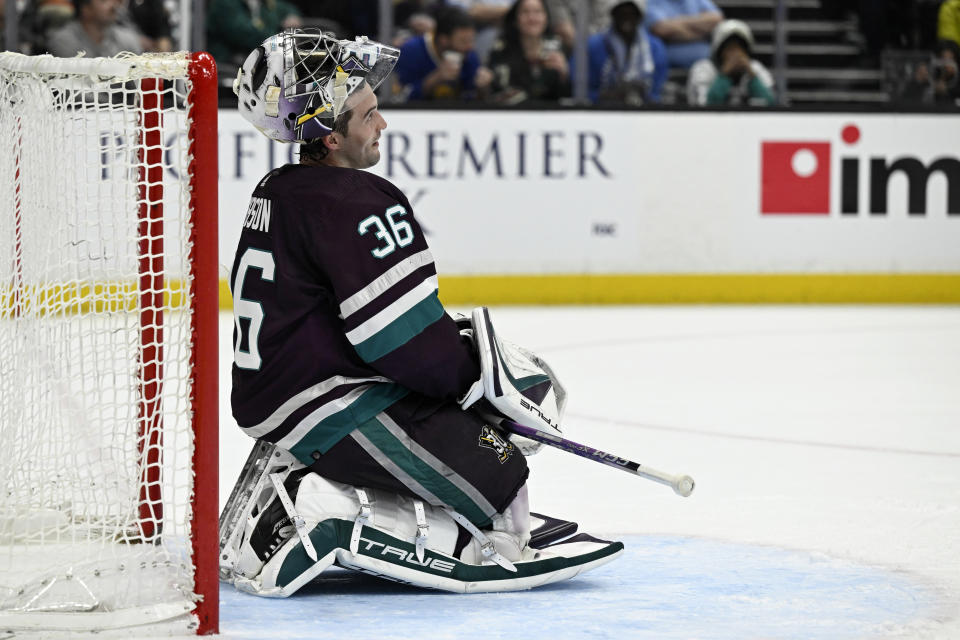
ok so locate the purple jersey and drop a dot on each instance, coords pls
(336, 314)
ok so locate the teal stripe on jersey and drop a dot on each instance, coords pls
(399, 332)
(333, 428)
(423, 472)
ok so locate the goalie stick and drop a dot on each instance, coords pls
(681, 484)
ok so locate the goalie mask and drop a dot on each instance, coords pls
(294, 85)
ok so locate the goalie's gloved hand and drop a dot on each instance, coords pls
(475, 392)
(466, 330)
(463, 322)
(515, 382)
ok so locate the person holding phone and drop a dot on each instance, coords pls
(443, 65)
(529, 62)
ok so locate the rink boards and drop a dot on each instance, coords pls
(579, 206)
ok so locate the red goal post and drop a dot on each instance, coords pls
(108, 334)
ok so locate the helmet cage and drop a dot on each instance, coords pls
(313, 58)
(316, 73)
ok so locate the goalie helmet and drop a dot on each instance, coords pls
(294, 85)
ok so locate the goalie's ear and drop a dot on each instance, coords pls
(332, 140)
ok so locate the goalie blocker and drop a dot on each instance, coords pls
(284, 525)
(514, 382)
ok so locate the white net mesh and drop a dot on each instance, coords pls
(95, 342)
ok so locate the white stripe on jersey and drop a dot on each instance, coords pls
(307, 424)
(437, 465)
(403, 304)
(389, 278)
(302, 398)
(384, 461)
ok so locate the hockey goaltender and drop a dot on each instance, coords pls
(375, 412)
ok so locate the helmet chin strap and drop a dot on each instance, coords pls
(272, 106)
(339, 92)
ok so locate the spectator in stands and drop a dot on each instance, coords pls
(235, 27)
(948, 29)
(628, 64)
(36, 19)
(443, 65)
(528, 62)
(945, 77)
(94, 31)
(563, 18)
(598, 14)
(944, 73)
(685, 27)
(917, 87)
(41, 18)
(413, 18)
(487, 18)
(151, 19)
(730, 76)
(562, 21)
(933, 79)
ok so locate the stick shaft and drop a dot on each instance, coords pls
(590, 453)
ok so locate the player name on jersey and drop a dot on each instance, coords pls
(258, 215)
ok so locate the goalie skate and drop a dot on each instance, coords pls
(254, 517)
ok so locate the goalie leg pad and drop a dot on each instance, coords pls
(392, 544)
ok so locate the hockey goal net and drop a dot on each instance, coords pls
(108, 333)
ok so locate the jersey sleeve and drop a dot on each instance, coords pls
(385, 283)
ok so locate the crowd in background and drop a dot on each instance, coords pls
(507, 51)
(95, 27)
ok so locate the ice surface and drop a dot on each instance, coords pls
(825, 442)
(665, 587)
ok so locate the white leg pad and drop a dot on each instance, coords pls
(321, 499)
(388, 547)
